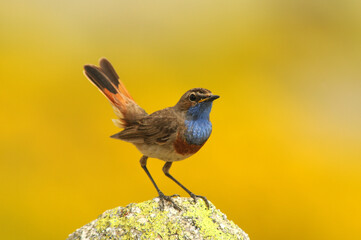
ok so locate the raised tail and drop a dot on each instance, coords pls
(107, 81)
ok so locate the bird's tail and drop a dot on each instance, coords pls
(107, 81)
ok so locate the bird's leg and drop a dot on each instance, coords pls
(162, 197)
(166, 168)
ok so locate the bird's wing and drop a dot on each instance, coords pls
(157, 128)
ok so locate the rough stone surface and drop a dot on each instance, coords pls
(146, 221)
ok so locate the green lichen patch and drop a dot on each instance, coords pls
(146, 221)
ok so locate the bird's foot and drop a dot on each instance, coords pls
(194, 196)
(163, 198)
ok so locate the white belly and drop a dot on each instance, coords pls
(162, 152)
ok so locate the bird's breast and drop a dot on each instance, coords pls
(182, 147)
(194, 137)
(197, 131)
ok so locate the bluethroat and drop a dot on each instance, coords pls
(171, 134)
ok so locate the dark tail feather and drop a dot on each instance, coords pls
(109, 71)
(102, 82)
(96, 76)
(106, 80)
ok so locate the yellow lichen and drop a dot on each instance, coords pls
(149, 222)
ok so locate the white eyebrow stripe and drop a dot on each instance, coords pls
(203, 95)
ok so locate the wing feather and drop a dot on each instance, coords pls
(157, 128)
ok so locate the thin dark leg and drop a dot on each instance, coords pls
(166, 168)
(162, 197)
(143, 163)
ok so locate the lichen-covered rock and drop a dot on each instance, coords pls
(146, 221)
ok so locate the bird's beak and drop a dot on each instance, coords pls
(209, 98)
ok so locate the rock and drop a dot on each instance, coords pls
(146, 221)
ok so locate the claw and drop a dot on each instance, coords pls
(163, 198)
(199, 196)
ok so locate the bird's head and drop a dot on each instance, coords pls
(196, 103)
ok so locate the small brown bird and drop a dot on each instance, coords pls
(171, 134)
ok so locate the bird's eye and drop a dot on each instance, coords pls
(192, 97)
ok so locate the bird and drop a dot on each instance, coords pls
(171, 134)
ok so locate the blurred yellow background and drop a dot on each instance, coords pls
(284, 158)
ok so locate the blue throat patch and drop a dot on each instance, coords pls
(199, 127)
